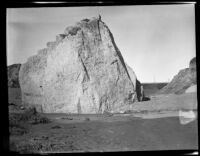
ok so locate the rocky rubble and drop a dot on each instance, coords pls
(83, 71)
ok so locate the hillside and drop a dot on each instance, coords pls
(182, 81)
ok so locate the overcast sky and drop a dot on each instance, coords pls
(155, 40)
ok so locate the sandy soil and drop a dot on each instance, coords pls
(168, 102)
(108, 134)
(150, 125)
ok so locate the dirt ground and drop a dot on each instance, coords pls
(113, 134)
(151, 125)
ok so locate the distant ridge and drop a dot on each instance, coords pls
(183, 80)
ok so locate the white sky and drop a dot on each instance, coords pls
(156, 40)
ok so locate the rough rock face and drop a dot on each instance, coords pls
(13, 72)
(139, 91)
(137, 85)
(183, 80)
(83, 71)
(191, 89)
(192, 64)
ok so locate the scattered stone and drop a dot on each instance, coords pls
(108, 113)
(56, 127)
(128, 112)
(87, 119)
(67, 118)
(22, 108)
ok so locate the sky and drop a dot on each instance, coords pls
(156, 41)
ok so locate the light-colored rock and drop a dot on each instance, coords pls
(83, 72)
(191, 89)
(186, 117)
(60, 37)
(184, 79)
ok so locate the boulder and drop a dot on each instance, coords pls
(137, 85)
(83, 71)
(183, 80)
(12, 73)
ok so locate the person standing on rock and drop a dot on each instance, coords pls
(99, 17)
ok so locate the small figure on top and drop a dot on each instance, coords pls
(99, 17)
